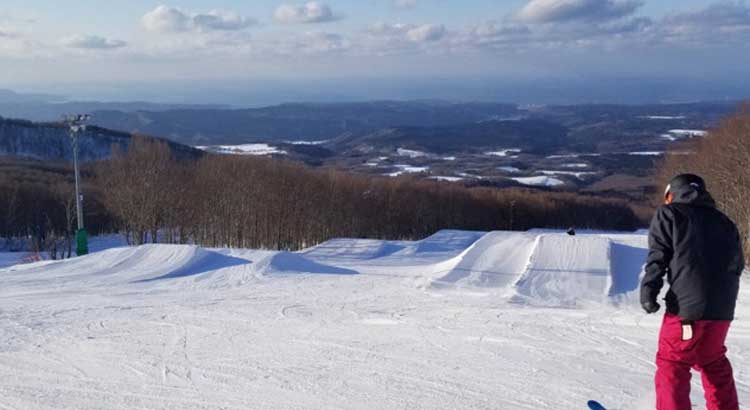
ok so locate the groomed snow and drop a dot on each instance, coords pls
(460, 320)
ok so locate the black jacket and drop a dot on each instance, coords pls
(700, 251)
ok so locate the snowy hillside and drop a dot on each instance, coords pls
(51, 142)
(460, 320)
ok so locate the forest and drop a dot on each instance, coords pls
(149, 194)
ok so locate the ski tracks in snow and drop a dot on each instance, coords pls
(377, 340)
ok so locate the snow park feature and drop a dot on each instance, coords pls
(460, 320)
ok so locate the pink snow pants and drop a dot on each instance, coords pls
(706, 353)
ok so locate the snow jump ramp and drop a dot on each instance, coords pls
(549, 269)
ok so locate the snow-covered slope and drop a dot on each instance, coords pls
(497, 260)
(460, 320)
(566, 269)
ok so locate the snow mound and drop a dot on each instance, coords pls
(354, 249)
(498, 259)
(565, 269)
(549, 268)
(146, 263)
(289, 262)
(446, 240)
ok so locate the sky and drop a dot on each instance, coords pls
(247, 52)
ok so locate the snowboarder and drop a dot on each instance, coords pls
(698, 248)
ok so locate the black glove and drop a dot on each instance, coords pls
(650, 306)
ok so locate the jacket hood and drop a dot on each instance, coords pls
(690, 195)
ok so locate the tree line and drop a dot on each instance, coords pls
(149, 194)
(723, 160)
(37, 208)
(251, 202)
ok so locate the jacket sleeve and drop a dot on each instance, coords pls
(659, 254)
(738, 261)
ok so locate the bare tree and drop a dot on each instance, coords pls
(722, 159)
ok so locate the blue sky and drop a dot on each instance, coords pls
(152, 49)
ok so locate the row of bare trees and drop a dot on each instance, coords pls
(723, 160)
(235, 201)
(36, 213)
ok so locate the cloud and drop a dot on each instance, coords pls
(222, 20)
(721, 25)
(493, 34)
(164, 19)
(311, 43)
(415, 33)
(513, 37)
(556, 11)
(310, 12)
(405, 4)
(93, 42)
(495, 29)
(318, 42)
(723, 21)
(426, 33)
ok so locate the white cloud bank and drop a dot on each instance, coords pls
(93, 42)
(165, 19)
(415, 33)
(549, 11)
(532, 31)
(311, 12)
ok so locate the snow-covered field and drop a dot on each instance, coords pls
(509, 152)
(675, 135)
(243, 149)
(407, 169)
(665, 117)
(510, 170)
(403, 152)
(647, 153)
(545, 180)
(461, 320)
(446, 179)
(577, 174)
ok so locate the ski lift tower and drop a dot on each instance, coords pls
(77, 125)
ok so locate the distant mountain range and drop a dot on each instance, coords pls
(590, 147)
(47, 107)
(51, 142)
(528, 135)
(290, 122)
